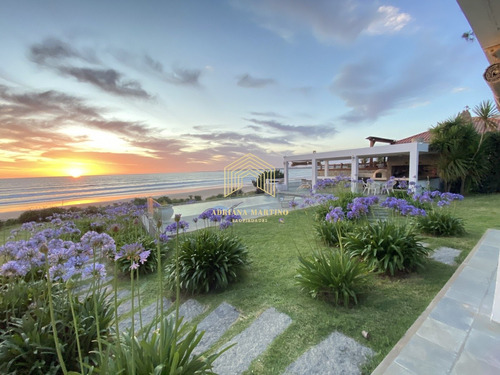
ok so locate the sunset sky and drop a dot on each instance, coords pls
(111, 87)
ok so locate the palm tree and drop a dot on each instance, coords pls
(486, 111)
(456, 140)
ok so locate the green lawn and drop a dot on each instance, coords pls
(386, 311)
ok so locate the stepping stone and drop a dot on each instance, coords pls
(252, 342)
(122, 294)
(445, 255)
(215, 324)
(148, 315)
(189, 310)
(337, 354)
(125, 306)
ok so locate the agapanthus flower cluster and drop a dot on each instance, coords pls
(64, 258)
(216, 215)
(402, 207)
(181, 225)
(335, 214)
(134, 253)
(360, 207)
(325, 183)
(323, 198)
(101, 243)
(431, 197)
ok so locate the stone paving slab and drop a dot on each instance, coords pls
(126, 305)
(336, 355)
(470, 286)
(423, 357)
(148, 315)
(445, 255)
(252, 342)
(444, 335)
(455, 334)
(215, 325)
(189, 310)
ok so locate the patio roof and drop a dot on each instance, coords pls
(364, 152)
(411, 149)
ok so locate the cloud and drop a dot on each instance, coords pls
(267, 114)
(246, 80)
(177, 76)
(60, 57)
(390, 20)
(108, 80)
(291, 130)
(372, 90)
(328, 20)
(227, 138)
(41, 129)
(34, 120)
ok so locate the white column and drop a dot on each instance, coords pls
(326, 168)
(314, 178)
(354, 173)
(413, 163)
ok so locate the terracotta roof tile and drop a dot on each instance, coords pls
(426, 136)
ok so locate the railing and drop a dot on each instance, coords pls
(156, 216)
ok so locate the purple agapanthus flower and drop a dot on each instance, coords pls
(135, 253)
(96, 242)
(336, 214)
(14, 268)
(98, 272)
(225, 224)
(181, 225)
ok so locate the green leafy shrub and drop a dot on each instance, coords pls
(145, 355)
(208, 259)
(39, 215)
(329, 232)
(440, 223)
(333, 274)
(27, 344)
(17, 296)
(387, 246)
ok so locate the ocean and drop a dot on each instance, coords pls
(32, 193)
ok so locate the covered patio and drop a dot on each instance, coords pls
(320, 159)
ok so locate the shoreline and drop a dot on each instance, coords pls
(13, 212)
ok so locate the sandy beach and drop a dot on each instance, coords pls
(13, 212)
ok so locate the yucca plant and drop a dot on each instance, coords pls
(387, 246)
(440, 223)
(208, 259)
(333, 274)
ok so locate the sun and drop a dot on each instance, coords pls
(75, 172)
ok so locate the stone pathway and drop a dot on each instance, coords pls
(252, 342)
(445, 255)
(455, 334)
(215, 325)
(336, 355)
(148, 313)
